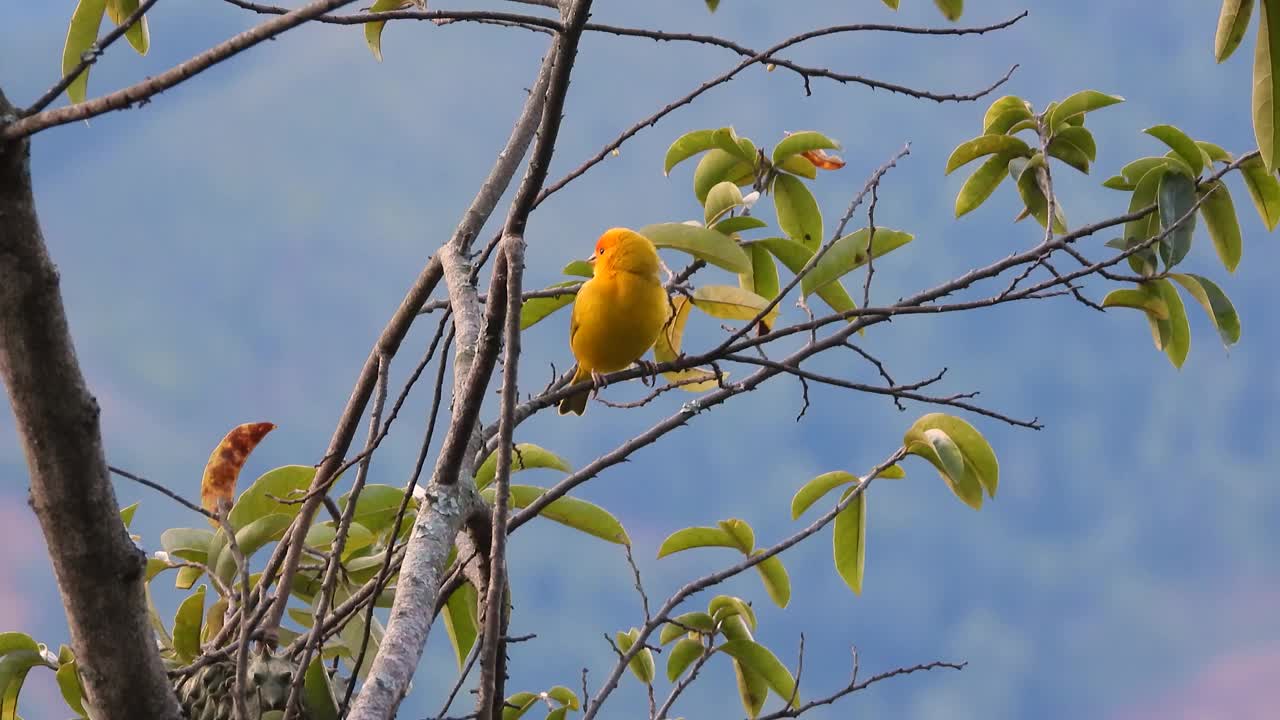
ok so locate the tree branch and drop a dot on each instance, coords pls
(100, 572)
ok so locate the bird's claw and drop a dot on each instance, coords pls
(650, 368)
(598, 383)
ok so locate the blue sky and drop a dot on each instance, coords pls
(230, 251)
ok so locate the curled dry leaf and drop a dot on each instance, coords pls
(220, 473)
(823, 160)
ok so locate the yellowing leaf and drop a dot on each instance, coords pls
(692, 537)
(951, 9)
(526, 456)
(732, 303)
(373, 30)
(1233, 21)
(823, 160)
(82, 33)
(776, 581)
(667, 348)
(1265, 191)
(849, 541)
(223, 468)
(1138, 300)
(1266, 77)
(138, 35)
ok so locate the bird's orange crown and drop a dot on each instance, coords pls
(626, 250)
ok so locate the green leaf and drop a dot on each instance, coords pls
(1186, 148)
(1176, 197)
(377, 507)
(571, 512)
(981, 184)
(138, 35)
(186, 577)
(289, 482)
(251, 538)
(373, 30)
(983, 145)
(126, 514)
(1081, 102)
(753, 689)
(317, 692)
(16, 642)
(187, 543)
(722, 198)
(460, 621)
(1004, 114)
(1266, 76)
(1173, 336)
(1216, 305)
(761, 660)
(1033, 197)
(186, 626)
(1219, 213)
(850, 253)
(743, 536)
(1214, 152)
(712, 5)
(1138, 231)
(682, 656)
(798, 213)
(1265, 191)
(580, 268)
(700, 621)
(893, 4)
(642, 664)
(951, 9)
(1233, 21)
(812, 491)
(727, 140)
(764, 272)
(802, 142)
(724, 607)
(1074, 146)
(959, 452)
(81, 34)
(14, 667)
(731, 225)
(1118, 182)
(566, 697)
(701, 243)
(68, 679)
(795, 256)
(686, 146)
(798, 165)
(515, 706)
(1138, 169)
(732, 303)
(1138, 300)
(716, 167)
(692, 537)
(849, 541)
(534, 310)
(525, 456)
(776, 581)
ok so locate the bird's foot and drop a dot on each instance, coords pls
(650, 368)
(598, 383)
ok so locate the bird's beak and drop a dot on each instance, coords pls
(592, 260)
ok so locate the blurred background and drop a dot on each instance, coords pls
(230, 251)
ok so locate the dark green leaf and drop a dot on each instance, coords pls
(1176, 198)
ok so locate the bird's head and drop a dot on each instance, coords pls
(623, 250)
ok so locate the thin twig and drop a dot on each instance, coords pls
(162, 490)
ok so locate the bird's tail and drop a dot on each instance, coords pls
(576, 403)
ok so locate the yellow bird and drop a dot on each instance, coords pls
(618, 312)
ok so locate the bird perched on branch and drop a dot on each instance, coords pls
(618, 312)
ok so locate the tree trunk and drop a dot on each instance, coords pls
(100, 571)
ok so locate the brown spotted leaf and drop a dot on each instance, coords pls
(220, 473)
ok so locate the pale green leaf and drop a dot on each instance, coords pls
(776, 581)
(680, 657)
(951, 9)
(642, 664)
(716, 167)
(1233, 21)
(761, 660)
(850, 253)
(1265, 191)
(82, 33)
(1004, 113)
(721, 199)
(460, 621)
(1081, 102)
(1219, 213)
(693, 537)
(525, 456)
(571, 512)
(984, 145)
(732, 303)
(798, 213)
(1266, 83)
(1138, 300)
(186, 626)
(686, 146)
(1216, 305)
(534, 310)
(849, 540)
(373, 30)
(737, 224)
(138, 35)
(741, 532)
(701, 242)
(1182, 144)
(317, 692)
(802, 142)
(981, 184)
